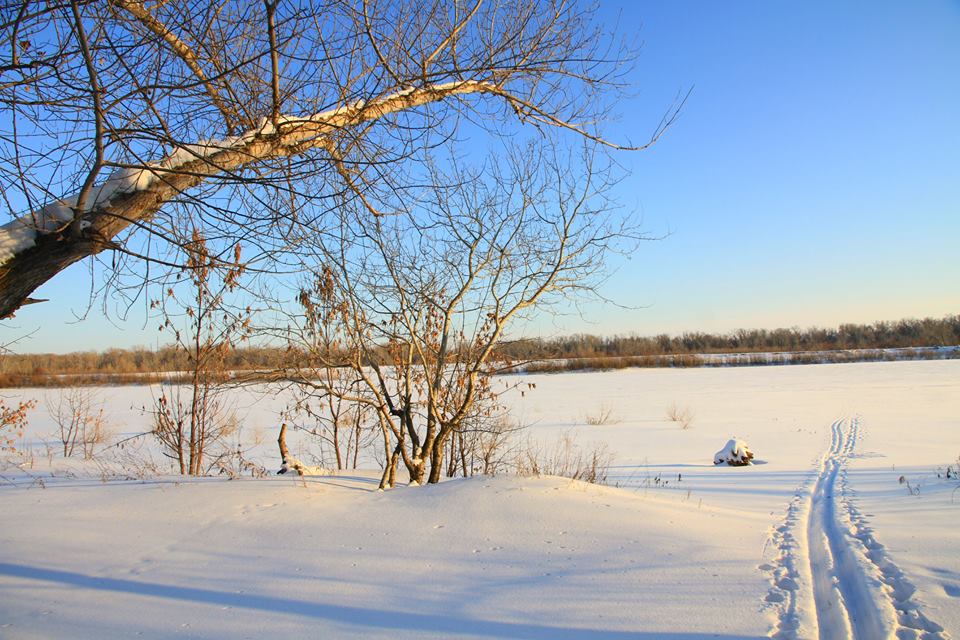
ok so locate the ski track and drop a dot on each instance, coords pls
(831, 578)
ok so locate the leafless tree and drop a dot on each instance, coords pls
(487, 443)
(422, 298)
(196, 312)
(79, 417)
(323, 408)
(260, 117)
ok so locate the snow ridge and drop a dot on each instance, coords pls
(832, 579)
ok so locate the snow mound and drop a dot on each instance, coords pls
(295, 465)
(485, 557)
(735, 453)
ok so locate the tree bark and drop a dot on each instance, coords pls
(285, 453)
(31, 267)
(436, 460)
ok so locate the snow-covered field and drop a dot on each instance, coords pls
(819, 538)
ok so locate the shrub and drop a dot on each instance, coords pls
(603, 416)
(566, 459)
(193, 433)
(78, 420)
(12, 423)
(681, 415)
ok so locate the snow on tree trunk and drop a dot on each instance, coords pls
(38, 245)
(288, 463)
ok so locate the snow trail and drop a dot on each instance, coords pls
(832, 578)
(844, 593)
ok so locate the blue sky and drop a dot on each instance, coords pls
(814, 176)
(812, 179)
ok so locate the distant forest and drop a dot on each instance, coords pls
(929, 332)
(137, 364)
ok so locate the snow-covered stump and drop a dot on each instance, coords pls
(291, 464)
(735, 453)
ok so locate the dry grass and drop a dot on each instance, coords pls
(615, 362)
(603, 416)
(681, 415)
(567, 459)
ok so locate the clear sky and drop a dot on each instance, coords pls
(812, 179)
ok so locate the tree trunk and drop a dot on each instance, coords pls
(194, 426)
(394, 459)
(32, 266)
(452, 460)
(389, 476)
(180, 460)
(463, 457)
(285, 453)
(418, 469)
(336, 442)
(436, 460)
(356, 445)
(282, 443)
(385, 479)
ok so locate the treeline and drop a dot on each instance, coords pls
(928, 332)
(140, 365)
(754, 359)
(122, 365)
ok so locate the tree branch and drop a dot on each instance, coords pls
(137, 9)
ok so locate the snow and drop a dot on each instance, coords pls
(816, 538)
(302, 469)
(21, 233)
(735, 453)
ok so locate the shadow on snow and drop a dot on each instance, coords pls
(358, 616)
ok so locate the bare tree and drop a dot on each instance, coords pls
(423, 298)
(79, 417)
(259, 117)
(206, 331)
(323, 407)
(487, 443)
